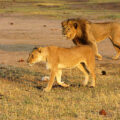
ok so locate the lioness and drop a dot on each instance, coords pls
(57, 58)
(82, 31)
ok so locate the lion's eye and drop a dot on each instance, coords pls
(68, 29)
(32, 56)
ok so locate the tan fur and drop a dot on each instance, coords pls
(84, 32)
(57, 58)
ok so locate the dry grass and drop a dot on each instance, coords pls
(21, 89)
(23, 98)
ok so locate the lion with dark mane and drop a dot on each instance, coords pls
(82, 31)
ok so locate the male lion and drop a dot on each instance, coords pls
(57, 58)
(81, 31)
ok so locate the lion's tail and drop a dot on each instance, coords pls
(115, 44)
(85, 67)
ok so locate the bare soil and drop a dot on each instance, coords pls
(19, 34)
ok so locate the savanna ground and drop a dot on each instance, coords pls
(25, 24)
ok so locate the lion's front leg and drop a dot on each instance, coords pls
(51, 81)
(58, 77)
(94, 44)
(99, 57)
(116, 56)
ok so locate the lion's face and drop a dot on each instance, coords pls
(69, 29)
(35, 56)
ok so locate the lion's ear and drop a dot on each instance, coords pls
(39, 49)
(35, 48)
(62, 23)
(75, 25)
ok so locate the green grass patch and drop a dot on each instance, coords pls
(49, 4)
(103, 1)
(61, 9)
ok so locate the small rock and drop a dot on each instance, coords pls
(103, 72)
(44, 25)
(11, 23)
(21, 60)
(45, 78)
(102, 112)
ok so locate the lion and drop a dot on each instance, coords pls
(57, 58)
(82, 31)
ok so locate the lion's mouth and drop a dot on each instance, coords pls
(68, 38)
(63, 31)
(65, 36)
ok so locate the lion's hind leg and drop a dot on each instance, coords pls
(83, 68)
(116, 56)
(58, 77)
(91, 68)
(117, 53)
(116, 44)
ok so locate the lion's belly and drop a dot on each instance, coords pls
(67, 66)
(100, 37)
(71, 63)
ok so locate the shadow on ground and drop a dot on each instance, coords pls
(17, 47)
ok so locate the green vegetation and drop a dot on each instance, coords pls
(103, 1)
(63, 9)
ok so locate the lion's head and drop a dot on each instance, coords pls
(69, 28)
(75, 29)
(37, 55)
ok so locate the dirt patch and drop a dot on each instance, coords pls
(26, 32)
(98, 6)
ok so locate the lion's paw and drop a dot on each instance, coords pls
(46, 90)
